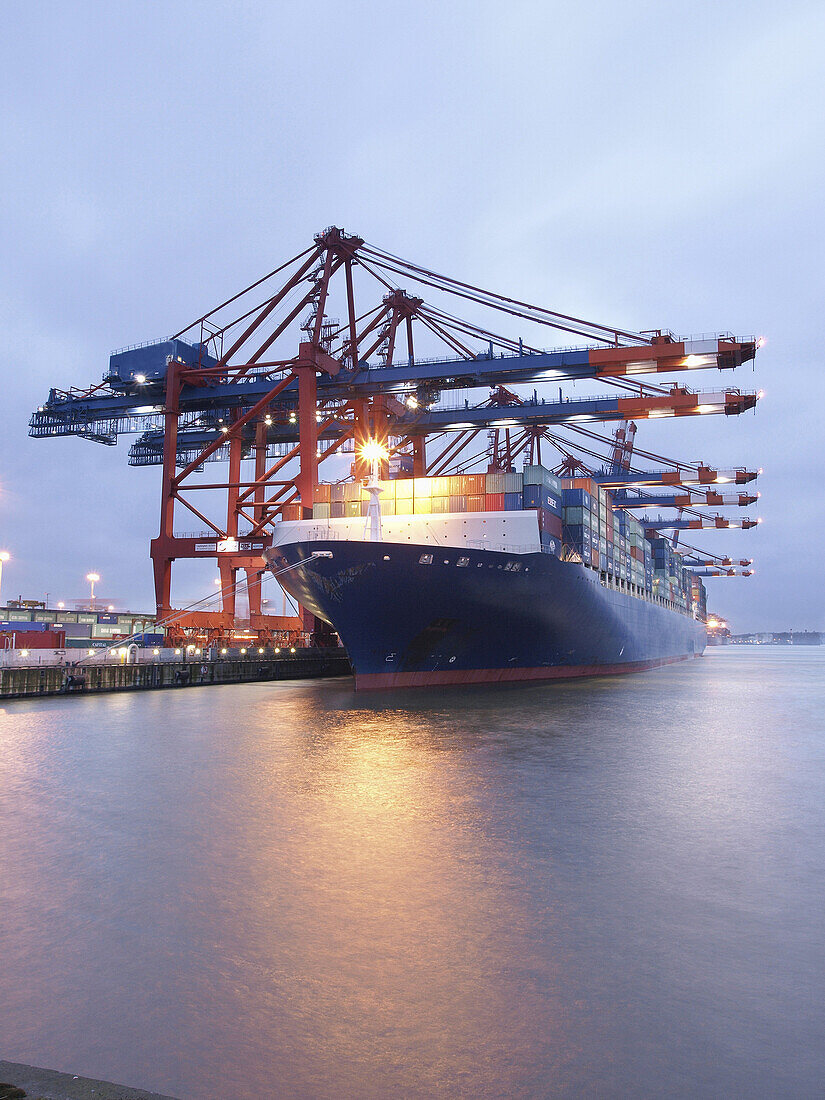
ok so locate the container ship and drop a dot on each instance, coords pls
(488, 578)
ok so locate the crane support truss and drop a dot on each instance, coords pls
(244, 387)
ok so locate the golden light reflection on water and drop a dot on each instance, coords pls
(397, 929)
(288, 890)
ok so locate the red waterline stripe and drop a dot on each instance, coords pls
(373, 681)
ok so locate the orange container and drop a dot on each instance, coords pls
(494, 502)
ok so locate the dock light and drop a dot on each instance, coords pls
(197, 653)
(223, 652)
(156, 652)
(277, 650)
(61, 605)
(140, 379)
(267, 420)
(292, 649)
(24, 653)
(243, 652)
(111, 607)
(92, 578)
(91, 653)
(177, 653)
(260, 650)
(4, 556)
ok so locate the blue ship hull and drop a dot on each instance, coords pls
(494, 617)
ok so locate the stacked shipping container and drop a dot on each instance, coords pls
(576, 519)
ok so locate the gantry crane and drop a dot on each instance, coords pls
(269, 379)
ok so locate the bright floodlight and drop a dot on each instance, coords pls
(373, 451)
(140, 379)
(4, 555)
(92, 578)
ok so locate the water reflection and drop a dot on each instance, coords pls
(290, 890)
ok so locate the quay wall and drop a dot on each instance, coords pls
(84, 679)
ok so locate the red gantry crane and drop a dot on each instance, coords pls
(273, 386)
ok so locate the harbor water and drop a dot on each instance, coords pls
(602, 888)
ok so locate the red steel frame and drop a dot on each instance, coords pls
(261, 502)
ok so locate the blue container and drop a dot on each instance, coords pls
(552, 503)
(512, 502)
(109, 620)
(576, 535)
(147, 640)
(7, 626)
(532, 496)
(576, 498)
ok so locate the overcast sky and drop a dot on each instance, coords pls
(645, 164)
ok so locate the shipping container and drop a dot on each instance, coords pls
(475, 503)
(336, 494)
(494, 502)
(74, 630)
(321, 494)
(458, 503)
(38, 639)
(512, 501)
(336, 509)
(440, 505)
(321, 510)
(550, 523)
(577, 517)
(422, 506)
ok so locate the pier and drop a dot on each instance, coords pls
(94, 677)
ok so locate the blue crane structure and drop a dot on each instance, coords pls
(273, 386)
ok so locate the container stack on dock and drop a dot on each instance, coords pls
(42, 628)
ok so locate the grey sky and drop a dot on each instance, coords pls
(643, 164)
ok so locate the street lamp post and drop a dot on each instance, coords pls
(91, 578)
(4, 556)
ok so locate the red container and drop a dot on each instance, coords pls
(587, 483)
(37, 639)
(291, 511)
(475, 503)
(321, 495)
(550, 522)
(475, 484)
(495, 502)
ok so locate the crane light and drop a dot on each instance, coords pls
(373, 451)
